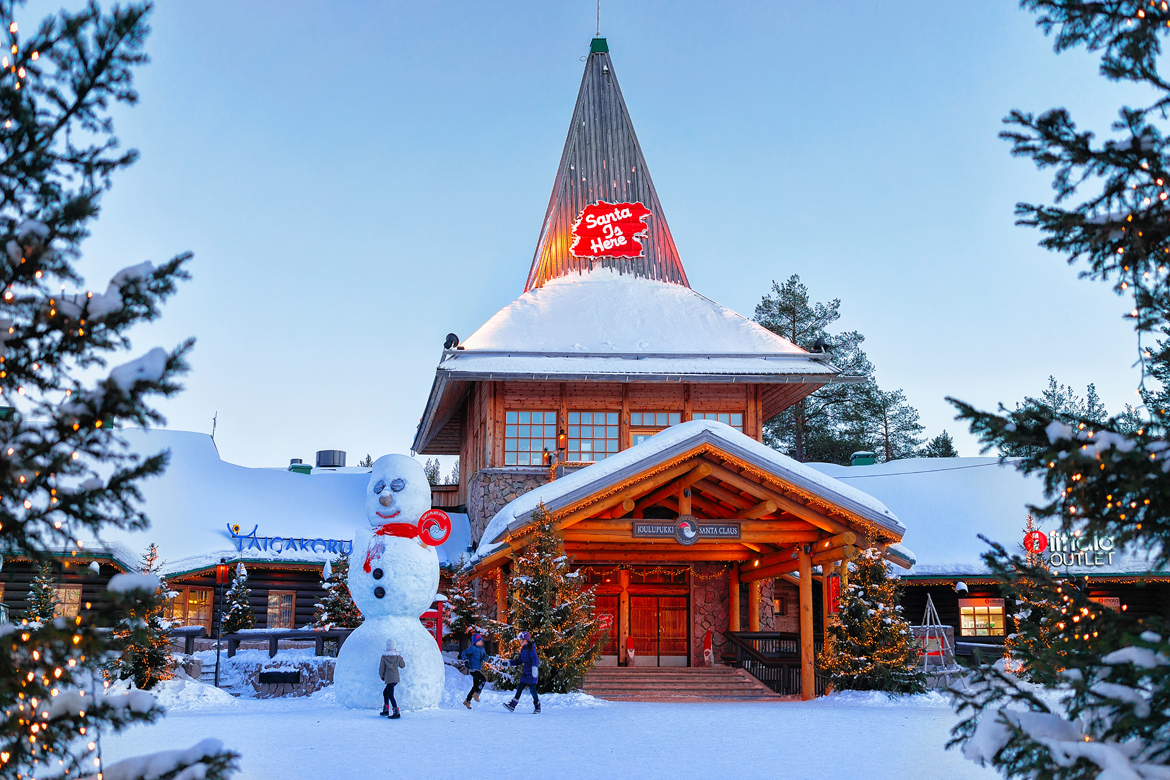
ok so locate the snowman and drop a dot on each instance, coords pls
(393, 577)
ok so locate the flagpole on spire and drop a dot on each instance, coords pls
(598, 18)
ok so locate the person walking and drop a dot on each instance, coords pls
(388, 670)
(529, 664)
(474, 656)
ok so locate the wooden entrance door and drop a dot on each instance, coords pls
(658, 630)
(606, 609)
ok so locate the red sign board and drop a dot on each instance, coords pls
(833, 582)
(1035, 542)
(432, 621)
(609, 230)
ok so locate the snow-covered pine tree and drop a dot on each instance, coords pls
(42, 595)
(549, 601)
(871, 646)
(336, 609)
(143, 634)
(237, 603)
(464, 613)
(1101, 705)
(65, 471)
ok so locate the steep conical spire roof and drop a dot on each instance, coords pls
(601, 165)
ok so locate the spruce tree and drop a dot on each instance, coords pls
(336, 608)
(431, 469)
(237, 604)
(1095, 701)
(811, 428)
(871, 646)
(887, 422)
(65, 470)
(547, 599)
(144, 635)
(464, 612)
(42, 595)
(1034, 614)
(941, 446)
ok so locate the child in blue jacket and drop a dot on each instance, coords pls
(529, 664)
(474, 657)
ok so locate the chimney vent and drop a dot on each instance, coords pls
(330, 459)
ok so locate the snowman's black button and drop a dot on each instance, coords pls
(377, 574)
(380, 592)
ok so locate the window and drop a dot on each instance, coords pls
(643, 425)
(527, 436)
(281, 609)
(191, 607)
(68, 601)
(981, 617)
(778, 607)
(592, 435)
(734, 419)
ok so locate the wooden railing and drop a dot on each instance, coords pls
(773, 658)
(340, 634)
(189, 635)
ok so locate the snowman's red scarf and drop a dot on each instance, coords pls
(401, 530)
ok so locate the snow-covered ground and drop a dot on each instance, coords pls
(575, 736)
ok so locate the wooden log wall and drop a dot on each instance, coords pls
(17, 576)
(306, 583)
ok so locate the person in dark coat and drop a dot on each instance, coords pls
(529, 664)
(388, 670)
(474, 657)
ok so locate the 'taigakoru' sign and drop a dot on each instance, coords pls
(283, 544)
(1070, 549)
(609, 230)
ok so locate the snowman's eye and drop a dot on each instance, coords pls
(398, 484)
(379, 486)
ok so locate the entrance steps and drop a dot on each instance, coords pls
(676, 683)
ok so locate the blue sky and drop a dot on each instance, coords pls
(358, 179)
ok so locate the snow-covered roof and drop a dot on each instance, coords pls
(605, 326)
(193, 504)
(671, 443)
(946, 503)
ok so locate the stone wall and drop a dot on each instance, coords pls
(316, 673)
(489, 490)
(709, 599)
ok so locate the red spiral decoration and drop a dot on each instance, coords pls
(434, 527)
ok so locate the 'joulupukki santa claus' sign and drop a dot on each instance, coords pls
(609, 230)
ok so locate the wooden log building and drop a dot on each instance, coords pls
(571, 394)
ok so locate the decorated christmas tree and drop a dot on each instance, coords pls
(548, 600)
(237, 603)
(146, 656)
(66, 473)
(336, 609)
(1035, 614)
(871, 647)
(42, 594)
(1094, 701)
(464, 613)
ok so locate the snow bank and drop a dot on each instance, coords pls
(166, 761)
(191, 695)
(880, 699)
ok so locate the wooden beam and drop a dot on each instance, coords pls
(747, 574)
(777, 557)
(733, 598)
(784, 502)
(723, 494)
(844, 552)
(693, 474)
(622, 509)
(618, 536)
(684, 501)
(659, 557)
(760, 509)
(808, 682)
(501, 595)
(712, 510)
(840, 540)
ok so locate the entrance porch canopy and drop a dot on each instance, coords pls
(714, 473)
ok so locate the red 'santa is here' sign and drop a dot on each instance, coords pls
(609, 230)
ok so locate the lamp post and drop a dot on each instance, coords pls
(221, 575)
